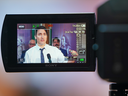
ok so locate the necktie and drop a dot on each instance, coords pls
(42, 56)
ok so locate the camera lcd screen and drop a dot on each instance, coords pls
(69, 38)
(48, 42)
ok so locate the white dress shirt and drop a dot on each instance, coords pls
(33, 55)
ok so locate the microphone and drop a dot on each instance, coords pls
(49, 58)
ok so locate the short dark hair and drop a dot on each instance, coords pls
(30, 40)
(40, 27)
(57, 39)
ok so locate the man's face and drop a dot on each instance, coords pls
(32, 43)
(56, 43)
(41, 37)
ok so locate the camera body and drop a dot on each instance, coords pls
(112, 37)
(106, 40)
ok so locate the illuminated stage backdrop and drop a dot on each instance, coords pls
(65, 32)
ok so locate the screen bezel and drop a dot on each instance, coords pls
(9, 42)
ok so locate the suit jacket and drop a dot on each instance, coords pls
(23, 53)
(63, 51)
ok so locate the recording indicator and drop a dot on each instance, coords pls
(37, 25)
(50, 25)
(81, 59)
(33, 26)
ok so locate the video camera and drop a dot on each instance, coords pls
(106, 41)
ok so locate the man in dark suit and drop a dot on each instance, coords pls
(56, 43)
(30, 45)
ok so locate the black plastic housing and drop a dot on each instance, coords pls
(9, 42)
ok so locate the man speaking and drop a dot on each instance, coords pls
(42, 52)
